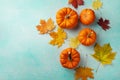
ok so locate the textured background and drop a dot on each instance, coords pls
(26, 55)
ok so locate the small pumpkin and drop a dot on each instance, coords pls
(69, 58)
(87, 36)
(67, 18)
(87, 16)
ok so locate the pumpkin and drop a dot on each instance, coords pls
(87, 16)
(67, 18)
(87, 36)
(69, 58)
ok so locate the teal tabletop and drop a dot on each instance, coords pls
(25, 54)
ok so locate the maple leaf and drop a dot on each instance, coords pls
(104, 54)
(103, 24)
(58, 37)
(74, 42)
(97, 4)
(45, 27)
(75, 3)
(83, 73)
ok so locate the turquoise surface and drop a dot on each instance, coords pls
(26, 55)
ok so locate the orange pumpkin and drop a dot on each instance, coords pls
(69, 58)
(67, 18)
(87, 16)
(87, 36)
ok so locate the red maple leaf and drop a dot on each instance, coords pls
(104, 24)
(75, 3)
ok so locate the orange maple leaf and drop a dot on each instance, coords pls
(83, 73)
(45, 27)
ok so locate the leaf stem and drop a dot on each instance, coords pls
(98, 67)
(86, 58)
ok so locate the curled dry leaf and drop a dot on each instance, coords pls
(74, 42)
(76, 3)
(97, 4)
(83, 73)
(45, 27)
(104, 54)
(58, 37)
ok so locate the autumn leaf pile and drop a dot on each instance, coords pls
(103, 54)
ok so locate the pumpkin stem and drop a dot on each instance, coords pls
(67, 16)
(69, 56)
(89, 34)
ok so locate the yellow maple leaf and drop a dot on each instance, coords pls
(83, 73)
(97, 4)
(104, 54)
(74, 42)
(58, 37)
(45, 27)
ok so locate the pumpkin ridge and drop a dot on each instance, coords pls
(68, 18)
(69, 58)
(87, 36)
(87, 16)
